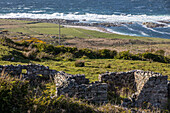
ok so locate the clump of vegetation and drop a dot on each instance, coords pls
(13, 95)
(79, 63)
(127, 56)
(105, 53)
(43, 55)
(155, 57)
(17, 96)
(33, 40)
(108, 66)
(160, 52)
(84, 57)
(144, 56)
(65, 56)
(30, 54)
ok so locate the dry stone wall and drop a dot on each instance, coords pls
(140, 86)
(79, 86)
(122, 83)
(169, 95)
(152, 88)
(66, 84)
(27, 71)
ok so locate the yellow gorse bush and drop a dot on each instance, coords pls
(34, 40)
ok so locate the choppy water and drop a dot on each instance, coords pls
(136, 11)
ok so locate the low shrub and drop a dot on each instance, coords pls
(14, 56)
(108, 66)
(155, 57)
(104, 53)
(85, 52)
(13, 94)
(79, 63)
(6, 41)
(124, 55)
(43, 55)
(84, 57)
(160, 52)
(65, 56)
(60, 105)
(31, 54)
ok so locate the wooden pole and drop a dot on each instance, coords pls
(59, 32)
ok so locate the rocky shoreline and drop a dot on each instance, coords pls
(74, 22)
(102, 24)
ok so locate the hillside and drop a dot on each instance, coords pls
(23, 42)
(82, 38)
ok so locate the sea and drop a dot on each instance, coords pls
(97, 11)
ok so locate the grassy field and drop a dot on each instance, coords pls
(49, 28)
(94, 67)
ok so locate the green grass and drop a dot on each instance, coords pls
(6, 21)
(94, 67)
(49, 28)
(4, 50)
(24, 30)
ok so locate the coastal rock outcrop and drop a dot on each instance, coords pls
(153, 25)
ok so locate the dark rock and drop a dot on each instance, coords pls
(153, 25)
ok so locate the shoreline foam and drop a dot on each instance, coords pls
(90, 17)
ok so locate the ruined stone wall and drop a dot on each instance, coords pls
(31, 70)
(139, 86)
(78, 86)
(142, 87)
(169, 95)
(70, 85)
(152, 88)
(122, 83)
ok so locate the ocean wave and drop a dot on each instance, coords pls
(90, 17)
(139, 31)
(120, 33)
(38, 11)
(156, 31)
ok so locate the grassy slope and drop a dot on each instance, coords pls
(49, 29)
(93, 67)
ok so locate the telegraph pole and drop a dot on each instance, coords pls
(59, 33)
